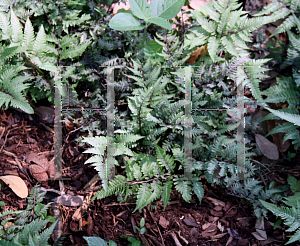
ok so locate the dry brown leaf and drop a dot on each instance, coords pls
(219, 235)
(268, 149)
(216, 202)
(2, 130)
(190, 222)
(163, 222)
(38, 172)
(16, 184)
(195, 56)
(260, 235)
(69, 200)
(205, 226)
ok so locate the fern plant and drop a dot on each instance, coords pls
(12, 87)
(28, 228)
(156, 108)
(289, 214)
(151, 177)
(287, 88)
(285, 91)
(40, 52)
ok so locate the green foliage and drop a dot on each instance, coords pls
(285, 91)
(157, 12)
(282, 10)
(254, 192)
(29, 225)
(290, 215)
(141, 229)
(226, 31)
(38, 51)
(74, 39)
(93, 241)
(12, 87)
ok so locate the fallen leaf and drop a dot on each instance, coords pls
(260, 235)
(233, 233)
(205, 226)
(2, 130)
(163, 222)
(220, 227)
(197, 54)
(194, 232)
(38, 172)
(90, 225)
(218, 208)
(216, 213)
(216, 202)
(218, 235)
(69, 200)
(84, 223)
(16, 184)
(190, 222)
(8, 224)
(268, 149)
(210, 231)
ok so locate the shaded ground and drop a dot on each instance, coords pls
(219, 220)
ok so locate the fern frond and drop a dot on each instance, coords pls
(289, 215)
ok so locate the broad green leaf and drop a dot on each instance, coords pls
(112, 243)
(95, 241)
(125, 22)
(166, 9)
(161, 22)
(140, 8)
(143, 230)
(151, 49)
(142, 222)
(124, 11)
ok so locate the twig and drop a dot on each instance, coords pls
(4, 141)
(119, 204)
(183, 239)
(93, 181)
(175, 239)
(47, 127)
(162, 240)
(158, 243)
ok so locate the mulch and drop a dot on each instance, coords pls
(220, 219)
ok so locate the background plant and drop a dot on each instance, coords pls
(28, 226)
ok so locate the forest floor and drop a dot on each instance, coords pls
(220, 219)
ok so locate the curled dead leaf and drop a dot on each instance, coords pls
(38, 172)
(197, 54)
(16, 184)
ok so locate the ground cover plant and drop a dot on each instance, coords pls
(80, 41)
